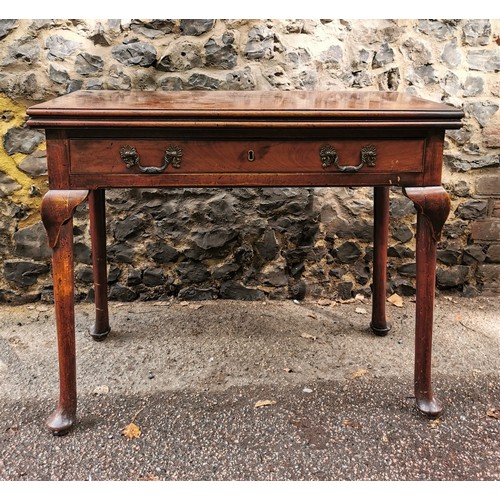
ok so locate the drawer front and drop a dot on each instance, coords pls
(163, 156)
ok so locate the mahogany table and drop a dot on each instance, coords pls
(118, 139)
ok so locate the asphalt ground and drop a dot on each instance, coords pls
(274, 392)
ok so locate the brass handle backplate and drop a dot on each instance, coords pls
(130, 156)
(329, 158)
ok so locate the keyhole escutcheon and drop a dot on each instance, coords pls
(251, 155)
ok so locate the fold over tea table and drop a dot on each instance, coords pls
(117, 139)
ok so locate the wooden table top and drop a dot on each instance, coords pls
(169, 108)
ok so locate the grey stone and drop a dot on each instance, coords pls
(118, 80)
(473, 254)
(402, 233)
(34, 165)
(408, 269)
(225, 271)
(85, 275)
(87, 64)
(60, 48)
(477, 32)
(135, 54)
(31, 242)
(298, 57)
(180, 56)
(333, 56)
(344, 290)
(236, 291)
(121, 293)
(7, 185)
(171, 83)
(401, 252)
(267, 247)
(461, 136)
(451, 55)
(26, 50)
(192, 293)
(493, 253)
(484, 60)
(383, 56)
(449, 256)
(153, 29)
(362, 79)
(465, 164)
(192, 272)
(473, 86)
(441, 30)
(427, 73)
(401, 206)
(162, 253)
(418, 51)
(23, 273)
(100, 36)
(74, 85)
(240, 80)
(82, 253)
(22, 140)
(451, 84)
(214, 238)
(196, 27)
(481, 111)
(153, 277)
(461, 188)
(200, 81)
(297, 290)
(222, 55)
(354, 229)
(260, 44)
(58, 74)
(390, 80)
(348, 252)
(129, 227)
(452, 276)
(471, 209)
(6, 26)
(121, 252)
(134, 277)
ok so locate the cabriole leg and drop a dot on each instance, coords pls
(57, 216)
(433, 206)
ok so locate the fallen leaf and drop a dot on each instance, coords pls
(351, 423)
(324, 302)
(493, 413)
(264, 402)
(361, 310)
(359, 373)
(396, 300)
(131, 431)
(308, 336)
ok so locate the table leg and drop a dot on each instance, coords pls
(97, 217)
(379, 323)
(433, 206)
(57, 216)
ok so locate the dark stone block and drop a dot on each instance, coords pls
(23, 273)
(401, 252)
(34, 165)
(135, 54)
(59, 48)
(347, 252)
(129, 227)
(6, 26)
(493, 253)
(344, 290)
(199, 81)
(87, 64)
(260, 43)
(82, 253)
(192, 272)
(236, 291)
(162, 253)
(401, 206)
(121, 252)
(240, 80)
(297, 290)
(452, 276)
(31, 242)
(85, 275)
(114, 274)
(225, 271)
(121, 293)
(354, 229)
(409, 269)
(361, 273)
(153, 277)
(134, 277)
(223, 56)
(155, 28)
(267, 247)
(477, 32)
(25, 49)
(448, 256)
(402, 233)
(196, 27)
(191, 293)
(473, 254)
(214, 238)
(22, 140)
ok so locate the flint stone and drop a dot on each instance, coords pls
(88, 64)
(236, 291)
(473, 254)
(471, 209)
(60, 48)
(427, 73)
(121, 252)
(7, 185)
(267, 247)
(226, 271)
(401, 252)
(223, 55)
(171, 83)
(214, 238)
(135, 54)
(464, 165)
(23, 273)
(260, 43)
(438, 29)
(409, 269)
(481, 112)
(240, 80)
(58, 74)
(22, 140)
(451, 84)
(196, 27)
(493, 254)
(418, 52)
(129, 227)
(192, 272)
(199, 81)
(153, 29)
(31, 242)
(180, 57)
(192, 293)
(473, 86)
(134, 277)
(348, 252)
(461, 188)
(448, 256)
(358, 229)
(484, 60)
(162, 253)
(153, 277)
(401, 206)
(121, 293)
(344, 290)
(85, 275)
(34, 165)
(297, 290)
(332, 56)
(402, 233)
(82, 253)
(25, 49)
(477, 32)
(451, 56)
(6, 26)
(452, 277)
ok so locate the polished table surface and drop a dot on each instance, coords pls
(99, 139)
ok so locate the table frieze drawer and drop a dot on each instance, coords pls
(161, 156)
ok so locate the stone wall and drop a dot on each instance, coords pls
(252, 243)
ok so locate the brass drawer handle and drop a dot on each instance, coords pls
(130, 156)
(329, 157)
